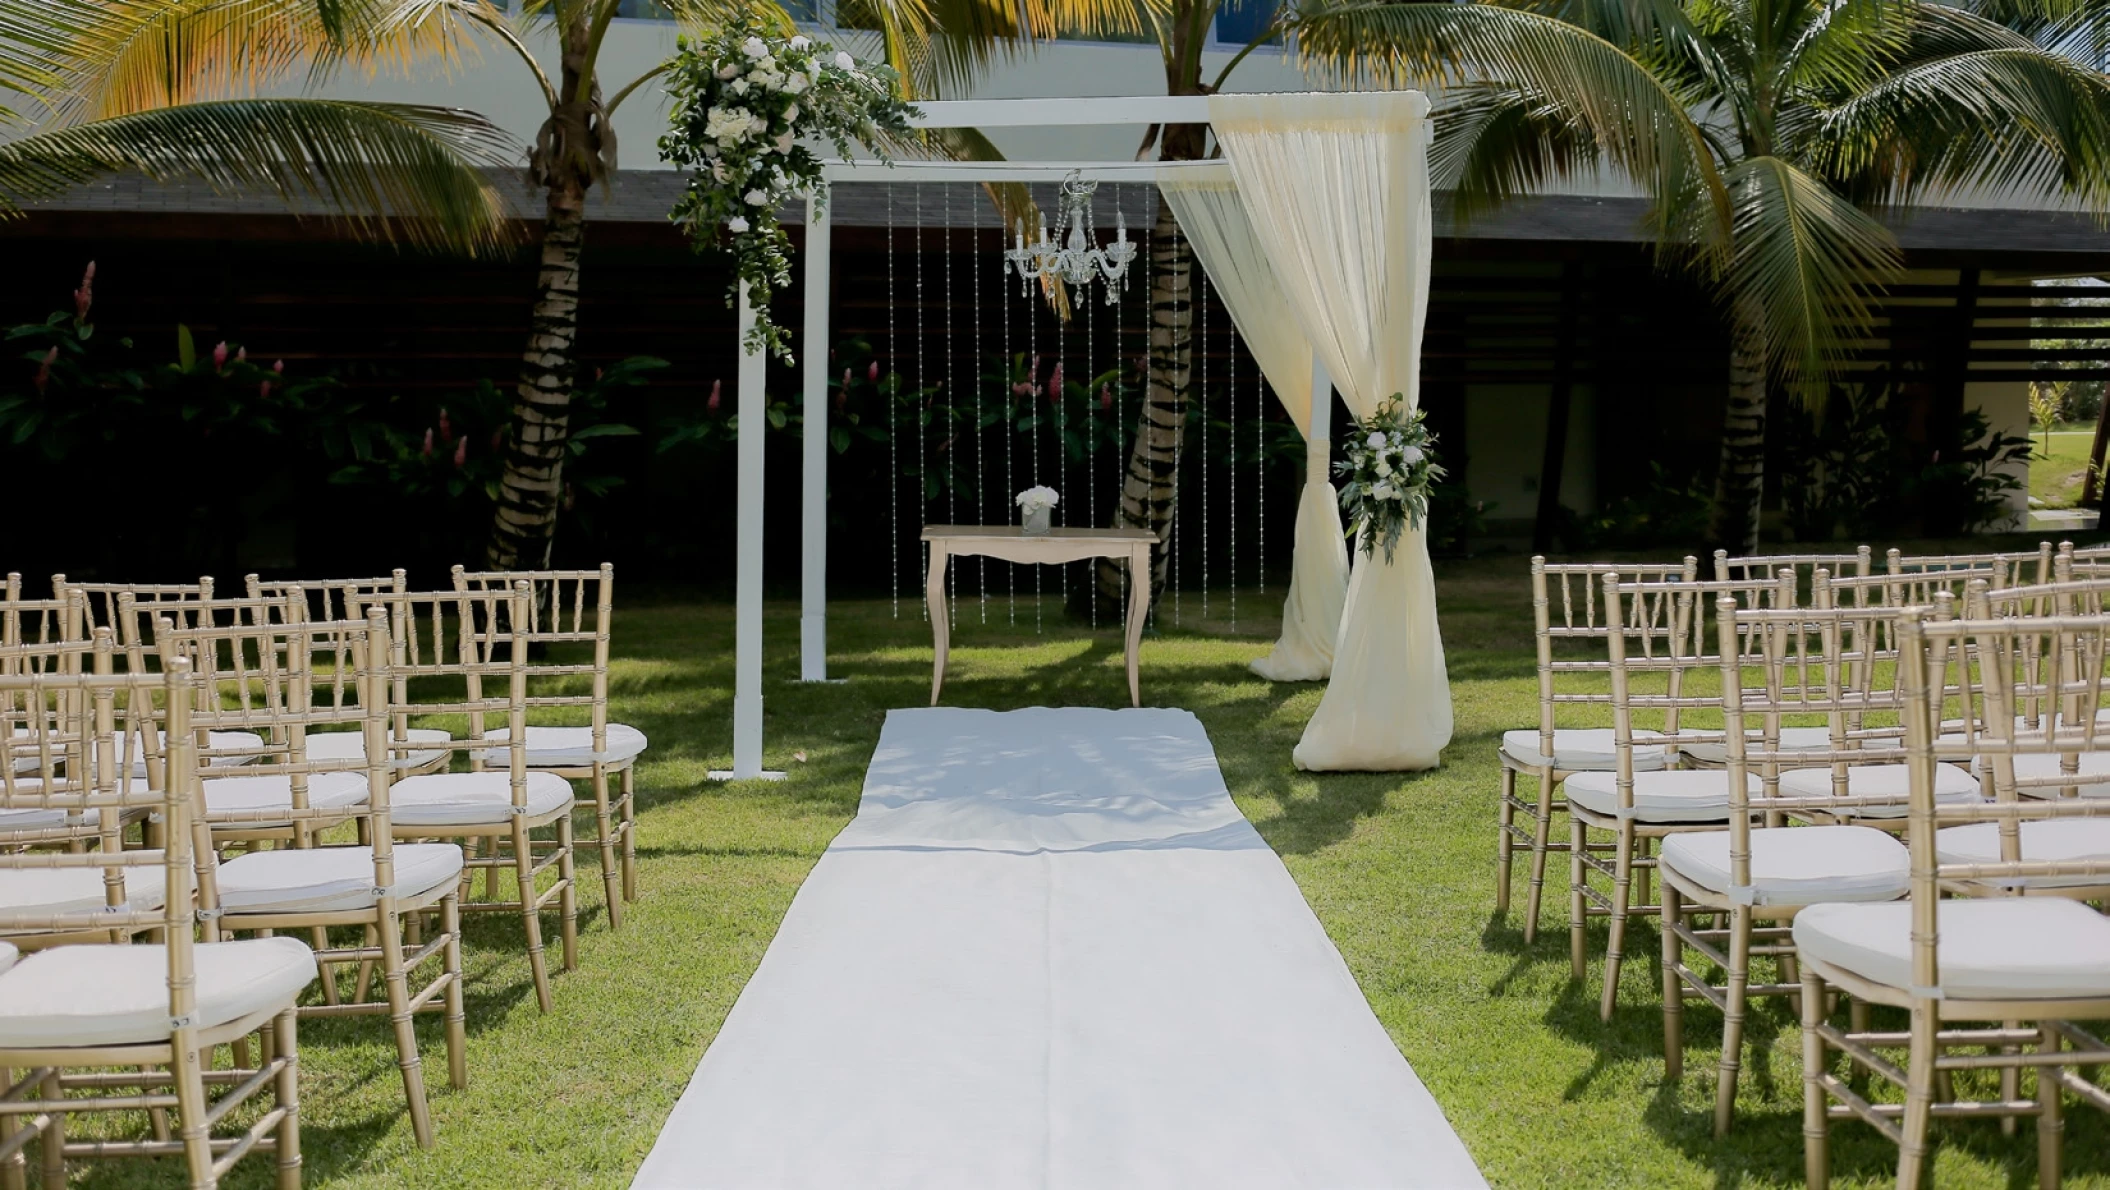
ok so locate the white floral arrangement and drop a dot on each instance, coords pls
(746, 103)
(1390, 467)
(1038, 499)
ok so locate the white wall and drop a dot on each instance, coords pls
(2006, 405)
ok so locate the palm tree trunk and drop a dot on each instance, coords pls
(532, 489)
(1741, 482)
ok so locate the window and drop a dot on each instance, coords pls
(1238, 22)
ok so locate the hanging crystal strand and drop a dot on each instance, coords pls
(1091, 441)
(1201, 407)
(1033, 303)
(922, 399)
(1179, 451)
(1010, 405)
(893, 440)
(1062, 427)
(1231, 404)
(950, 444)
(974, 375)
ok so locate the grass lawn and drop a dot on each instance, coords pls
(1398, 867)
(2056, 478)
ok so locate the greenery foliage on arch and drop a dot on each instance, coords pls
(747, 106)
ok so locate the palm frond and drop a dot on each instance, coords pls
(711, 14)
(1493, 145)
(2077, 28)
(125, 56)
(2018, 120)
(1802, 264)
(1568, 73)
(389, 170)
(1845, 44)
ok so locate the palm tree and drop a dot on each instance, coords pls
(136, 57)
(107, 91)
(1780, 133)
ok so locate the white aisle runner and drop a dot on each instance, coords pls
(1049, 952)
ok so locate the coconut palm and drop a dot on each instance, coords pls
(390, 170)
(1802, 123)
(1770, 136)
(137, 57)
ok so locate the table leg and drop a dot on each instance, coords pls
(1138, 608)
(940, 625)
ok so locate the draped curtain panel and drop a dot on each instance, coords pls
(1337, 187)
(1215, 222)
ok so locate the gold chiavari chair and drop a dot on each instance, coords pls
(101, 1028)
(1766, 568)
(2008, 974)
(1757, 878)
(375, 885)
(104, 606)
(1548, 754)
(2008, 569)
(576, 607)
(1652, 654)
(490, 810)
(343, 598)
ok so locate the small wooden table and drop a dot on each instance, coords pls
(1009, 543)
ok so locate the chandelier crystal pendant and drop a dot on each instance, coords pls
(1074, 254)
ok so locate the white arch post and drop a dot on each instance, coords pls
(747, 552)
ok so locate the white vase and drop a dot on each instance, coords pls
(1036, 523)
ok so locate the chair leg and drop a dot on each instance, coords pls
(1738, 992)
(2010, 1081)
(630, 832)
(2051, 1125)
(365, 981)
(395, 980)
(14, 1170)
(1615, 948)
(1673, 986)
(1578, 905)
(319, 940)
(188, 1076)
(568, 894)
(1506, 816)
(530, 917)
(285, 1034)
(451, 957)
(1816, 1123)
(605, 839)
(1542, 832)
(53, 1143)
(1919, 1097)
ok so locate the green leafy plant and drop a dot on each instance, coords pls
(744, 97)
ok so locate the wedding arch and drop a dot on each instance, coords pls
(1314, 226)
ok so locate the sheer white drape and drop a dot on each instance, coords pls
(1215, 222)
(1337, 186)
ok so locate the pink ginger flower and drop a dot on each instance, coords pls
(846, 379)
(427, 452)
(461, 453)
(279, 366)
(84, 297)
(872, 372)
(717, 389)
(1106, 396)
(1055, 382)
(43, 376)
(263, 390)
(241, 355)
(219, 356)
(446, 427)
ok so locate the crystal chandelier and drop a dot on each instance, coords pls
(1074, 253)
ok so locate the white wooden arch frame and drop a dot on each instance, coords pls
(813, 615)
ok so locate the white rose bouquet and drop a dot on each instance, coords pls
(746, 104)
(1390, 466)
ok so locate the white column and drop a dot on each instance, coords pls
(747, 577)
(813, 541)
(1316, 457)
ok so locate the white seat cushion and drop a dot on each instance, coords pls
(1578, 749)
(217, 739)
(351, 745)
(74, 890)
(2073, 840)
(118, 995)
(1992, 948)
(37, 819)
(331, 879)
(1700, 795)
(2047, 764)
(325, 791)
(1951, 786)
(472, 799)
(570, 747)
(1799, 865)
(1792, 739)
